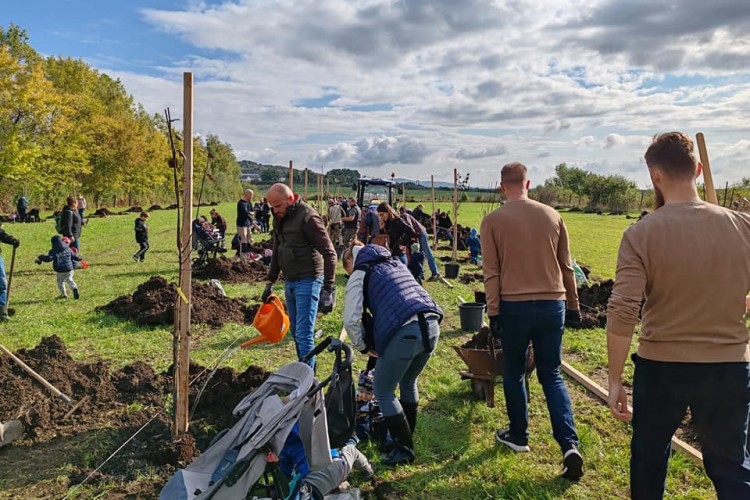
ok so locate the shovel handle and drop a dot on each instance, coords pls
(34, 374)
(10, 276)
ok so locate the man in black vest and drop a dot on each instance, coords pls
(305, 254)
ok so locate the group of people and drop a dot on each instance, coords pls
(689, 356)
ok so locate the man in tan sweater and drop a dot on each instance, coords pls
(531, 291)
(691, 262)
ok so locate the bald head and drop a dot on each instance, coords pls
(280, 197)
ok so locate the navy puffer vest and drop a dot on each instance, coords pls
(393, 295)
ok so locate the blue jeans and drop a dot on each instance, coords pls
(718, 395)
(302, 298)
(401, 363)
(539, 322)
(3, 283)
(424, 245)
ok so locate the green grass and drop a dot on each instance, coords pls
(457, 456)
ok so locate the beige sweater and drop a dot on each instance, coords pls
(525, 255)
(691, 262)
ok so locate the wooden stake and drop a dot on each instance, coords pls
(434, 219)
(707, 178)
(726, 191)
(181, 361)
(694, 455)
(306, 199)
(455, 216)
(291, 176)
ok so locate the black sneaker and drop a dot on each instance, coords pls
(76, 294)
(135, 258)
(572, 464)
(503, 436)
(434, 277)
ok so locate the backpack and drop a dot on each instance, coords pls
(58, 223)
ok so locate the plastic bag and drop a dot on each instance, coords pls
(579, 274)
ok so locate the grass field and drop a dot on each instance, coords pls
(457, 456)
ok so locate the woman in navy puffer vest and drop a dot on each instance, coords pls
(405, 332)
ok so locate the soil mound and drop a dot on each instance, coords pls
(102, 212)
(593, 299)
(448, 258)
(114, 404)
(471, 277)
(231, 271)
(154, 207)
(153, 304)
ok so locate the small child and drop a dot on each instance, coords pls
(416, 263)
(141, 237)
(475, 246)
(62, 258)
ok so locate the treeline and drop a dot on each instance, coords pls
(66, 128)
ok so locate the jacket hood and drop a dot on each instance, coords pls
(473, 232)
(370, 254)
(57, 243)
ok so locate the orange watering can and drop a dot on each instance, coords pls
(271, 321)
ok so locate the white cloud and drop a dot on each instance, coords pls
(585, 82)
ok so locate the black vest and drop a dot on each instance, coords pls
(297, 257)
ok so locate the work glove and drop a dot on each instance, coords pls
(266, 292)
(38, 261)
(15, 243)
(572, 318)
(327, 299)
(496, 328)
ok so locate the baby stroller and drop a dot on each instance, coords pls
(206, 244)
(239, 457)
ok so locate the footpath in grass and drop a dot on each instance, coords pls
(457, 455)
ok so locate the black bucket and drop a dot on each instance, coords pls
(472, 316)
(451, 271)
(480, 297)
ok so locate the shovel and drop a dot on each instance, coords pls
(38, 377)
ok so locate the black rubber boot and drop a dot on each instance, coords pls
(410, 410)
(403, 451)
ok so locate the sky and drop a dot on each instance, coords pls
(420, 87)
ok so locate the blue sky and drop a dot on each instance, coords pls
(420, 88)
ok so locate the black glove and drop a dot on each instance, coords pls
(266, 292)
(496, 328)
(572, 318)
(15, 243)
(38, 261)
(327, 299)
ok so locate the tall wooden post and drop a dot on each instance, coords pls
(455, 215)
(710, 191)
(291, 176)
(405, 198)
(306, 199)
(181, 356)
(726, 191)
(434, 218)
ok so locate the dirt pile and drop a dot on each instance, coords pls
(593, 299)
(113, 404)
(481, 340)
(232, 271)
(468, 278)
(154, 207)
(153, 304)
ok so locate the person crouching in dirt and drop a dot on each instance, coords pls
(405, 326)
(219, 222)
(141, 237)
(10, 240)
(62, 258)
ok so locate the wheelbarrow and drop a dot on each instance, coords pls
(485, 364)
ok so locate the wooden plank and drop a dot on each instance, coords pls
(707, 177)
(694, 455)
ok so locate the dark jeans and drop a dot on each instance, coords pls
(539, 322)
(141, 254)
(718, 395)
